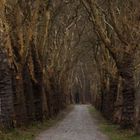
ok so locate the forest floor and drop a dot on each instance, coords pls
(78, 125)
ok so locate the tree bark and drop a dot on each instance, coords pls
(38, 85)
(19, 98)
(6, 93)
(29, 95)
(112, 96)
(126, 69)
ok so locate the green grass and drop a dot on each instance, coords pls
(111, 130)
(33, 130)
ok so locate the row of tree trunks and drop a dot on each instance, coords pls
(123, 50)
(25, 98)
(117, 103)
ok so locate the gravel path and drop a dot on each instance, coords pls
(78, 125)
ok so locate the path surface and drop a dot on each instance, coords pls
(78, 125)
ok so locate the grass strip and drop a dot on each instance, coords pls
(113, 131)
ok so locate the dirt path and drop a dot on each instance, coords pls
(78, 125)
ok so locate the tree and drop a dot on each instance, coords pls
(126, 45)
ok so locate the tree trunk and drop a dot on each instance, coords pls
(6, 93)
(112, 96)
(137, 120)
(126, 69)
(29, 95)
(19, 98)
(38, 85)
